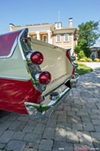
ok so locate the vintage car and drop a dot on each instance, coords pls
(34, 76)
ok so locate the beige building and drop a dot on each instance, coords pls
(55, 34)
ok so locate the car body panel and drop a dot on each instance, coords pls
(20, 88)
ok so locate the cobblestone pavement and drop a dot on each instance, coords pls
(74, 126)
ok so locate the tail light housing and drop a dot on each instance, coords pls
(68, 54)
(45, 78)
(35, 57)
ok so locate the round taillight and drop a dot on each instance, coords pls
(37, 58)
(25, 40)
(45, 78)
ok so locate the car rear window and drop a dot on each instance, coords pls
(6, 43)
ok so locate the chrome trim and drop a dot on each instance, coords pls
(73, 58)
(12, 50)
(31, 68)
(19, 43)
(46, 107)
(74, 80)
(75, 65)
(14, 78)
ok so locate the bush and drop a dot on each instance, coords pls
(97, 60)
(81, 54)
(89, 60)
(83, 59)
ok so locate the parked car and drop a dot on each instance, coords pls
(34, 76)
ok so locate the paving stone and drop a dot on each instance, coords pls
(17, 126)
(97, 145)
(30, 149)
(39, 128)
(85, 137)
(28, 128)
(85, 119)
(15, 145)
(23, 118)
(74, 119)
(32, 137)
(61, 118)
(96, 122)
(32, 146)
(7, 135)
(1, 131)
(48, 133)
(60, 134)
(51, 123)
(46, 145)
(62, 146)
(96, 111)
(18, 135)
(97, 128)
(2, 145)
(82, 114)
(64, 125)
(72, 136)
(95, 135)
(88, 126)
(5, 125)
(77, 126)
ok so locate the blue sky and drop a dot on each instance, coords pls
(22, 12)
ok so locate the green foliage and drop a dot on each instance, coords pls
(89, 60)
(97, 60)
(83, 60)
(77, 49)
(83, 69)
(81, 54)
(88, 34)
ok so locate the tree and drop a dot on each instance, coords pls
(88, 34)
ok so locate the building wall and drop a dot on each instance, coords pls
(62, 43)
(38, 31)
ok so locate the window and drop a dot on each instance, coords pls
(35, 37)
(66, 37)
(58, 38)
(45, 38)
(58, 26)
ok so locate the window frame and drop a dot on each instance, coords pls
(67, 37)
(59, 38)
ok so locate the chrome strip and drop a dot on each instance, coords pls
(12, 50)
(14, 78)
(22, 53)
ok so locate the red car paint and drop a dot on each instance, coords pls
(14, 93)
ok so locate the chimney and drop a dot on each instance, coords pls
(70, 22)
(11, 26)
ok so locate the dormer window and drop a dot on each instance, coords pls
(58, 25)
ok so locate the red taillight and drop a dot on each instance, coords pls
(45, 77)
(73, 71)
(37, 58)
(68, 54)
(25, 40)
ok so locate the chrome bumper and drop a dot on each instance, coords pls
(47, 106)
(74, 79)
(50, 101)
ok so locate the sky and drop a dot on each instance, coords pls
(23, 12)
